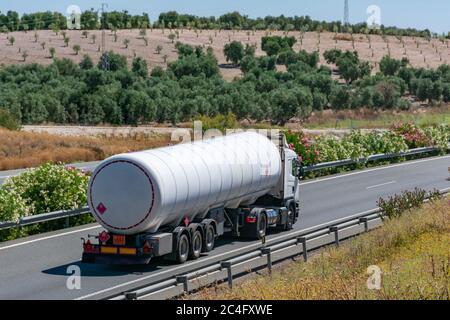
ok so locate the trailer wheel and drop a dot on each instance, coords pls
(182, 252)
(196, 246)
(208, 243)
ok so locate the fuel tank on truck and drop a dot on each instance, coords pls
(142, 191)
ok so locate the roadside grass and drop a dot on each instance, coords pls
(369, 119)
(25, 150)
(413, 252)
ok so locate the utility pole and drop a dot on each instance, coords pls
(105, 58)
(346, 14)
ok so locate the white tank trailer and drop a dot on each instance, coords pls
(176, 201)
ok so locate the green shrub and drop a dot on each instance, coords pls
(8, 121)
(44, 189)
(399, 204)
(220, 122)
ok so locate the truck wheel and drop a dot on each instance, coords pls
(261, 226)
(182, 253)
(208, 243)
(196, 246)
(291, 218)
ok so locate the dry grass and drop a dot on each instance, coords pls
(373, 119)
(412, 252)
(25, 149)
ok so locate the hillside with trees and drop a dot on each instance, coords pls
(68, 93)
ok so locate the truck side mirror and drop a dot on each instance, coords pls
(301, 171)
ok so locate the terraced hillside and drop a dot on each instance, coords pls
(421, 52)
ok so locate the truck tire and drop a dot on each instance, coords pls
(208, 241)
(291, 218)
(261, 226)
(182, 253)
(196, 245)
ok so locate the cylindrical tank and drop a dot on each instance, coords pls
(141, 191)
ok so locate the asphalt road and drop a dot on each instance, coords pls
(35, 267)
(11, 173)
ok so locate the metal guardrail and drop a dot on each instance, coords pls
(228, 269)
(382, 156)
(25, 221)
(67, 214)
(297, 243)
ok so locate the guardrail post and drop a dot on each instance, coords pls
(336, 234)
(130, 295)
(302, 240)
(227, 265)
(268, 252)
(366, 224)
(67, 222)
(184, 280)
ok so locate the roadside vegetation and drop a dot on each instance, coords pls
(44, 189)
(411, 249)
(8, 121)
(26, 150)
(47, 188)
(366, 118)
(357, 145)
(20, 149)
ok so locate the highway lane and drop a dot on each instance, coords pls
(12, 173)
(36, 268)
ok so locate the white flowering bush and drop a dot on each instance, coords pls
(439, 135)
(12, 205)
(357, 145)
(48, 188)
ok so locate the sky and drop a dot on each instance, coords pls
(430, 14)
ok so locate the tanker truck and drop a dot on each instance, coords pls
(174, 202)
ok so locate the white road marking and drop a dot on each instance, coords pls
(381, 185)
(46, 238)
(216, 256)
(374, 169)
